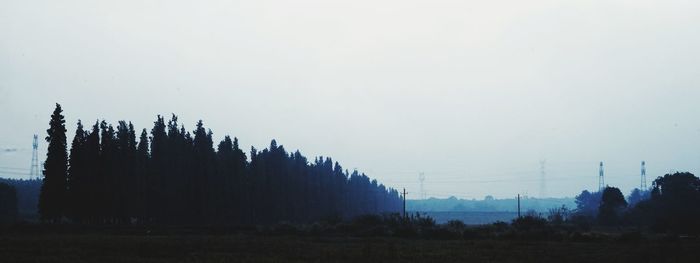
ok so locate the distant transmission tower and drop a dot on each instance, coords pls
(34, 171)
(643, 184)
(421, 178)
(601, 178)
(543, 179)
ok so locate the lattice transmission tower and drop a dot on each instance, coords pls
(421, 178)
(543, 179)
(34, 172)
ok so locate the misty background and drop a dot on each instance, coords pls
(474, 94)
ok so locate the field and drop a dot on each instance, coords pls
(203, 247)
(471, 218)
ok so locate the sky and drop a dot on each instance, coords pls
(474, 94)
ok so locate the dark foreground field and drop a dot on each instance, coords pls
(65, 247)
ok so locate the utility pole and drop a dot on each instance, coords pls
(404, 203)
(518, 205)
(643, 184)
(601, 178)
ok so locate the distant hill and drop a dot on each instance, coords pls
(488, 204)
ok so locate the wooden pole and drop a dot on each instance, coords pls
(518, 205)
(404, 202)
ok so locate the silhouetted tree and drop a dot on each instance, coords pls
(94, 176)
(125, 173)
(184, 180)
(674, 203)
(208, 186)
(141, 174)
(52, 204)
(158, 167)
(28, 192)
(612, 205)
(587, 204)
(8, 204)
(637, 196)
(110, 169)
(78, 177)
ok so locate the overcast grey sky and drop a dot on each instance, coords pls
(473, 93)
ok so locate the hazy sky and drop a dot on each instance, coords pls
(472, 93)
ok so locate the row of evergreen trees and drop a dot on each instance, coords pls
(177, 177)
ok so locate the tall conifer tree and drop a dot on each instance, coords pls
(52, 199)
(78, 183)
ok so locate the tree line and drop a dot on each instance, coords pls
(27, 196)
(8, 204)
(173, 176)
(670, 205)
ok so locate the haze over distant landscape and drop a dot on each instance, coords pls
(474, 94)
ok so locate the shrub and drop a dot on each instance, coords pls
(455, 225)
(285, 228)
(8, 204)
(558, 215)
(370, 220)
(529, 223)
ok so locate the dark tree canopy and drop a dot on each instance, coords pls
(180, 177)
(674, 203)
(28, 192)
(79, 176)
(612, 205)
(52, 200)
(587, 203)
(637, 196)
(8, 204)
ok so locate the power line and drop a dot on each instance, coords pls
(506, 180)
(13, 168)
(14, 173)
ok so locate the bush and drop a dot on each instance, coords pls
(366, 221)
(406, 231)
(440, 233)
(529, 223)
(8, 204)
(455, 225)
(558, 215)
(285, 228)
(582, 222)
(424, 222)
(635, 236)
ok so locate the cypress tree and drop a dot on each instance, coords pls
(110, 170)
(226, 170)
(141, 170)
(94, 176)
(78, 183)
(125, 148)
(183, 179)
(207, 192)
(52, 205)
(241, 185)
(155, 182)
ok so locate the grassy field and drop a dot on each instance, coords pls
(86, 247)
